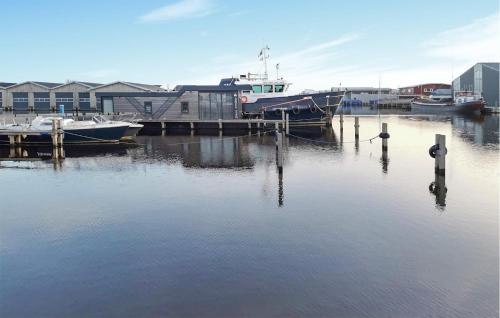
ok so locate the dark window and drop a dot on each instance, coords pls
(279, 88)
(268, 88)
(184, 107)
(148, 107)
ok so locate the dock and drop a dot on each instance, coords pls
(226, 124)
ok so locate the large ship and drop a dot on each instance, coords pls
(262, 97)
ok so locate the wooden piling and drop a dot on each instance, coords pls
(279, 150)
(356, 127)
(384, 140)
(440, 159)
(54, 133)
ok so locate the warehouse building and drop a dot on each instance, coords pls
(483, 80)
(148, 101)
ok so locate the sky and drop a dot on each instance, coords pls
(318, 44)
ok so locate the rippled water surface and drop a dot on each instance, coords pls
(206, 226)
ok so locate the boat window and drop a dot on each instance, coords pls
(268, 88)
(257, 88)
(279, 88)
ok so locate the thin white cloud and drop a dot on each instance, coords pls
(180, 10)
(311, 67)
(478, 41)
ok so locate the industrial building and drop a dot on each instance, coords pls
(483, 80)
(422, 89)
(148, 101)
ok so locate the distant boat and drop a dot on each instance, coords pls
(85, 131)
(463, 102)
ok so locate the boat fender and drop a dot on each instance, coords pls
(296, 110)
(433, 150)
(244, 99)
(384, 135)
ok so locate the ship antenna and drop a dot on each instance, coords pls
(264, 56)
(277, 71)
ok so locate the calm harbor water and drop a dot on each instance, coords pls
(204, 226)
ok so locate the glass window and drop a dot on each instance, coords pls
(279, 88)
(268, 88)
(184, 107)
(257, 88)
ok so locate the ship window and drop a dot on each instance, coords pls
(268, 88)
(257, 88)
(184, 107)
(279, 88)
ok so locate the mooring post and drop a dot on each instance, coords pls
(287, 124)
(191, 125)
(279, 149)
(54, 133)
(220, 124)
(440, 159)
(356, 127)
(60, 133)
(12, 140)
(163, 125)
(384, 140)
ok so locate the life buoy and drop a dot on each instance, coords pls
(313, 108)
(433, 151)
(244, 99)
(296, 110)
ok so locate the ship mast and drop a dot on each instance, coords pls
(263, 55)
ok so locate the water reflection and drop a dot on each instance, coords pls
(480, 130)
(438, 188)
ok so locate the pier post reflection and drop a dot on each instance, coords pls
(281, 195)
(438, 188)
(384, 160)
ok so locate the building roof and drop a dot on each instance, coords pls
(5, 84)
(425, 84)
(149, 87)
(90, 84)
(145, 87)
(86, 84)
(47, 84)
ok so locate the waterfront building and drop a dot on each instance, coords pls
(481, 79)
(207, 102)
(422, 89)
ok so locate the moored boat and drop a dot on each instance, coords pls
(265, 98)
(75, 132)
(463, 102)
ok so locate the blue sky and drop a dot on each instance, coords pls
(319, 44)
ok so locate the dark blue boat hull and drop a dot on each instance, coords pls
(303, 107)
(98, 135)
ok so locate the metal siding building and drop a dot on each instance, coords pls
(187, 102)
(482, 79)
